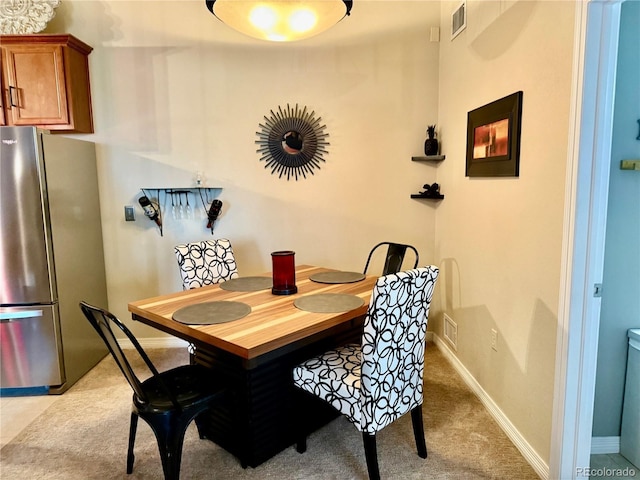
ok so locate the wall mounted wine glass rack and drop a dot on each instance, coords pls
(181, 207)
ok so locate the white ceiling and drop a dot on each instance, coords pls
(185, 22)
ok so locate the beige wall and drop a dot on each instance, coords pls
(498, 240)
(176, 91)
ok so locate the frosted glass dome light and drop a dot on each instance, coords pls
(280, 20)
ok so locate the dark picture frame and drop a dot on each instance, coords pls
(493, 138)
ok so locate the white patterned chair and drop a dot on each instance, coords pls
(375, 383)
(206, 263)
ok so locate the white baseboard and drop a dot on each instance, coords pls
(527, 451)
(155, 342)
(600, 445)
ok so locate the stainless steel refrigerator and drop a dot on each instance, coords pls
(51, 258)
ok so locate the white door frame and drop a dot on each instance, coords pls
(596, 47)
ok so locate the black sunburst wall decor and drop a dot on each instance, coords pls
(292, 142)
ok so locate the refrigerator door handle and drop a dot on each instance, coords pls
(9, 316)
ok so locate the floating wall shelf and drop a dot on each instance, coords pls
(428, 158)
(428, 197)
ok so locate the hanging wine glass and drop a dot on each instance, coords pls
(174, 209)
(180, 207)
(188, 211)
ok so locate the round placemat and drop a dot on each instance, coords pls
(328, 302)
(247, 284)
(209, 313)
(337, 277)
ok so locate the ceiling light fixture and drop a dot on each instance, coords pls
(280, 20)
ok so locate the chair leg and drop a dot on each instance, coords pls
(171, 453)
(133, 426)
(418, 431)
(298, 413)
(301, 444)
(371, 454)
(169, 432)
(201, 425)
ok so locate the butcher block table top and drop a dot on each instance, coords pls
(274, 320)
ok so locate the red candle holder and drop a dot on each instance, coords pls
(284, 272)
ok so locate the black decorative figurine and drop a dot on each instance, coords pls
(431, 143)
(431, 191)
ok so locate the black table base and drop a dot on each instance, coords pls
(262, 414)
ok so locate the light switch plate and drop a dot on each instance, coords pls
(129, 214)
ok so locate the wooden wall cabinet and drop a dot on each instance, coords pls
(45, 82)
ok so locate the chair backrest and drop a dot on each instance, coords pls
(394, 257)
(206, 263)
(393, 346)
(104, 321)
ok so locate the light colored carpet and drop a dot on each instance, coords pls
(84, 436)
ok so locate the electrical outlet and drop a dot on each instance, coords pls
(494, 339)
(129, 215)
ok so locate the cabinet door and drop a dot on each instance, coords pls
(2, 120)
(36, 83)
(3, 94)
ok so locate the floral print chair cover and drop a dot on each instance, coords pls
(375, 383)
(206, 263)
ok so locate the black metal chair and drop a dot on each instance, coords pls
(167, 401)
(394, 258)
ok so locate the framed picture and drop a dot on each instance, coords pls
(493, 138)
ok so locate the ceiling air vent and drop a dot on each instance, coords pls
(459, 19)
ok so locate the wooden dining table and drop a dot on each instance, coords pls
(253, 357)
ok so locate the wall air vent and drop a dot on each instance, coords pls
(451, 332)
(459, 19)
